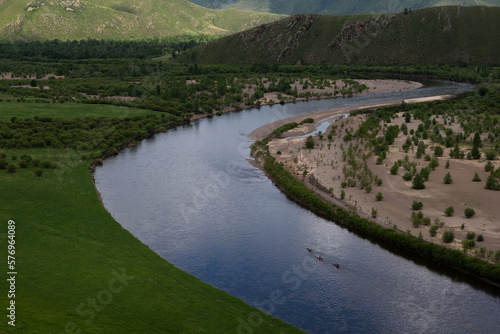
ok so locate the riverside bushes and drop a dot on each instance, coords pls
(407, 243)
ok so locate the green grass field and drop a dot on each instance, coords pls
(79, 271)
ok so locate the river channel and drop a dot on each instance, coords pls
(191, 195)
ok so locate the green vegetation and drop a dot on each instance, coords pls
(469, 212)
(126, 20)
(365, 39)
(448, 236)
(447, 178)
(379, 196)
(71, 247)
(476, 177)
(417, 205)
(449, 211)
(407, 243)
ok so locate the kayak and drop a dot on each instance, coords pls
(319, 257)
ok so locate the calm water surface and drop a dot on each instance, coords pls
(191, 195)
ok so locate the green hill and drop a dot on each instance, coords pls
(337, 7)
(118, 19)
(452, 35)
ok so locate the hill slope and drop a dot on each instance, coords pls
(337, 7)
(109, 19)
(433, 35)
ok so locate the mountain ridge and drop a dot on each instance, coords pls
(440, 35)
(337, 7)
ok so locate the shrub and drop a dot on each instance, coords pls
(491, 155)
(449, 211)
(26, 158)
(447, 165)
(471, 235)
(407, 176)
(447, 178)
(424, 172)
(433, 230)
(426, 221)
(418, 182)
(469, 212)
(11, 168)
(489, 166)
(394, 169)
(310, 142)
(379, 196)
(368, 188)
(23, 164)
(417, 205)
(374, 213)
(448, 236)
(438, 151)
(3, 163)
(45, 164)
(492, 183)
(476, 177)
(342, 194)
(480, 238)
(38, 172)
(496, 257)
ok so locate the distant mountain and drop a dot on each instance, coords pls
(337, 7)
(118, 19)
(440, 35)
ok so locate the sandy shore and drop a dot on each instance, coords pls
(373, 87)
(324, 166)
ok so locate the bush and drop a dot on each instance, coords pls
(23, 164)
(417, 205)
(496, 258)
(447, 178)
(471, 235)
(449, 211)
(491, 155)
(407, 176)
(45, 164)
(418, 182)
(469, 212)
(394, 169)
(447, 165)
(448, 236)
(489, 166)
(38, 172)
(342, 194)
(492, 183)
(3, 163)
(310, 142)
(476, 177)
(426, 221)
(379, 196)
(438, 151)
(433, 230)
(374, 213)
(480, 238)
(11, 168)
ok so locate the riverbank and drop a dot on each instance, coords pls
(322, 170)
(331, 91)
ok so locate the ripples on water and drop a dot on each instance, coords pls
(192, 197)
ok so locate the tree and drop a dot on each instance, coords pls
(394, 169)
(492, 183)
(477, 140)
(489, 167)
(379, 196)
(448, 236)
(342, 194)
(475, 153)
(417, 205)
(476, 177)
(449, 211)
(438, 151)
(447, 165)
(469, 212)
(418, 182)
(447, 178)
(374, 213)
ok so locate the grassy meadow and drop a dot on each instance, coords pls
(79, 270)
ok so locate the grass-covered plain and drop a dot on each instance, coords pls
(78, 269)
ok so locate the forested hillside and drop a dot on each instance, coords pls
(451, 35)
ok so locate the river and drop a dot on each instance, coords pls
(191, 195)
